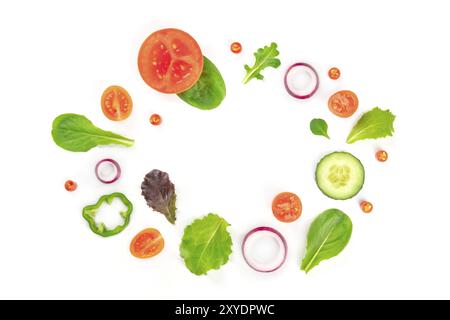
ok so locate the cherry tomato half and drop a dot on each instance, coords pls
(116, 103)
(287, 207)
(70, 185)
(343, 103)
(147, 243)
(170, 61)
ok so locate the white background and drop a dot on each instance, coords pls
(58, 56)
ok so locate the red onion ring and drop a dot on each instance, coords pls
(117, 169)
(312, 71)
(281, 241)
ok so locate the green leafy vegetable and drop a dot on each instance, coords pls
(373, 124)
(264, 57)
(76, 133)
(319, 127)
(206, 244)
(159, 193)
(327, 237)
(209, 91)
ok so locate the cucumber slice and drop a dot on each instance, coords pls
(340, 175)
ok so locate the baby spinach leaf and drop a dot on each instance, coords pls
(319, 127)
(159, 193)
(264, 57)
(373, 124)
(209, 91)
(206, 244)
(327, 237)
(76, 133)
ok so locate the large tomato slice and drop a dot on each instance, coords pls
(116, 103)
(170, 61)
(147, 243)
(343, 103)
(287, 207)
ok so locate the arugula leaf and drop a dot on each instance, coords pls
(319, 127)
(206, 244)
(328, 235)
(74, 132)
(264, 57)
(209, 91)
(373, 124)
(159, 193)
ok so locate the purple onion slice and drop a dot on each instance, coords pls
(301, 80)
(108, 171)
(264, 249)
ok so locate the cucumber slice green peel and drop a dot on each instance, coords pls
(340, 175)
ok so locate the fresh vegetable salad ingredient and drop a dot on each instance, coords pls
(107, 171)
(206, 244)
(264, 249)
(147, 243)
(287, 207)
(366, 206)
(301, 80)
(381, 155)
(340, 175)
(159, 192)
(90, 212)
(319, 127)
(264, 57)
(209, 91)
(343, 103)
(70, 185)
(328, 235)
(74, 132)
(236, 47)
(116, 103)
(334, 73)
(170, 61)
(373, 124)
(155, 119)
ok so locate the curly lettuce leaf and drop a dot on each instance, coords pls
(159, 193)
(373, 124)
(206, 244)
(264, 57)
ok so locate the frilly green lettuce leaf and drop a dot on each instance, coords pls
(206, 244)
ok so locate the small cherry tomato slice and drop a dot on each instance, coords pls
(155, 119)
(236, 47)
(343, 103)
(147, 243)
(287, 207)
(70, 185)
(334, 73)
(381, 155)
(366, 206)
(116, 103)
(170, 61)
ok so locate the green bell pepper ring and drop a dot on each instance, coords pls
(89, 213)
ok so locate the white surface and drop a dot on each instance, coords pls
(58, 56)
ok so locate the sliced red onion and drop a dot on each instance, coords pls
(108, 171)
(301, 80)
(264, 249)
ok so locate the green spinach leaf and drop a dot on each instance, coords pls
(74, 132)
(209, 91)
(373, 124)
(319, 127)
(327, 237)
(264, 57)
(206, 244)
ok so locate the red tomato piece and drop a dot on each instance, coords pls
(170, 61)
